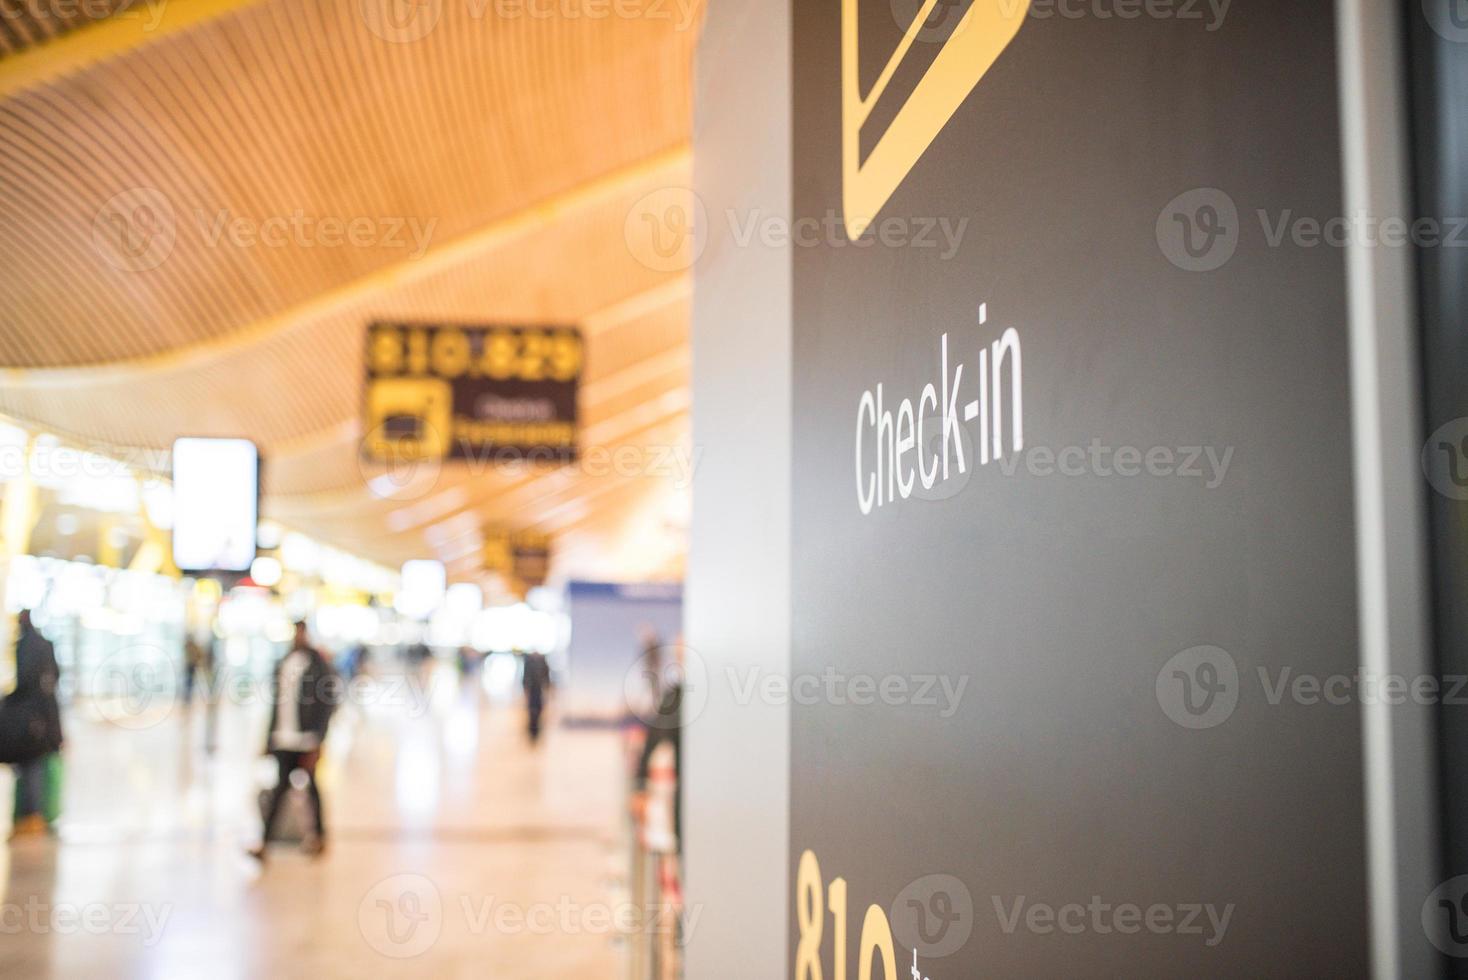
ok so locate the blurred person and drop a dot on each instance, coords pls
(537, 682)
(420, 661)
(644, 702)
(196, 664)
(214, 656)
(649, 643)
(32, 726)
(351, 660)
(470, 660)
(663, 726)
(304, 696)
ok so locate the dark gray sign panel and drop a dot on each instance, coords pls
(1075, 686)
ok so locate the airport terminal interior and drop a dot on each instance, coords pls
(733, 489)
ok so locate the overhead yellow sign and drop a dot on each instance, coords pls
(466, 392)
(523, 555)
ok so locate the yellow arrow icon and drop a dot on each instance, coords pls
(980, 37)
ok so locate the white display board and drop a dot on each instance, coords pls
(216, 504)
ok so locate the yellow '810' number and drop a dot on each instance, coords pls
(502, 354)
(810, 914)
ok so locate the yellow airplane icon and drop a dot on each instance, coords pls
(980, 37)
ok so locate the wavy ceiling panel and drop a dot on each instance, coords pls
(196, 184)
(287, 380)
(198, 226)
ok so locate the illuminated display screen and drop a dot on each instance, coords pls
(424, 584)
(215, 504)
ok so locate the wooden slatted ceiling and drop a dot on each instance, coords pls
(522, 143)
(562, 272)
(284, 109)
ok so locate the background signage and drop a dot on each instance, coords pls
(523, 555)
(532, 552)
(493, 393)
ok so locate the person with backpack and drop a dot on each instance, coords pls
(30, 726)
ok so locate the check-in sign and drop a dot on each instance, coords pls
(446, 391)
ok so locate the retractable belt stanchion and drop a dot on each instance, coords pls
(655, 885)
(638, 967)
(660, 842)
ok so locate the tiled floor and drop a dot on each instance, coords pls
(456, 851)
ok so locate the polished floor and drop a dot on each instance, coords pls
(456, 850)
